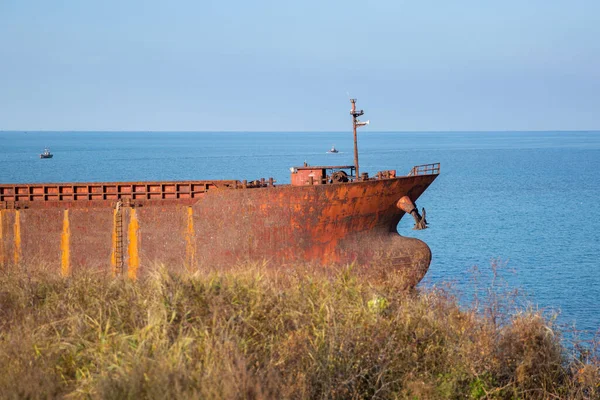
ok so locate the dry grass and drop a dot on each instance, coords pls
(255, 333)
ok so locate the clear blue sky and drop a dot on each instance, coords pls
(287, 65)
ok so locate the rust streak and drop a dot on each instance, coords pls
(1, 237)
(65, 246)
(190, 240)
(133, 247)
(17, 242)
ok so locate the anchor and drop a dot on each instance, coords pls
(407, 205)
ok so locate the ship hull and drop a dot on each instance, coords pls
(284, 225)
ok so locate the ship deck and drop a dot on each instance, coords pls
(15, 196)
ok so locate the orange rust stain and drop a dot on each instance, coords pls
(17, 254)
(1, 237)
(113, 253)
(133, 247)
(190, 240)
(65, 248)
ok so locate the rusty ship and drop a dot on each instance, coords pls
(327, 215)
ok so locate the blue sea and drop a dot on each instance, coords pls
(528, 201)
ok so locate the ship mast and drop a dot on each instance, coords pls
(356, 123)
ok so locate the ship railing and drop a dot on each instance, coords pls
(425, 169)
(113, 191)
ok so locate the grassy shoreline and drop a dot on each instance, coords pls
(259, 333)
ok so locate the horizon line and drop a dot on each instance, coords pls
(295, 131)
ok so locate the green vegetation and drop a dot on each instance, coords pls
(259, 333)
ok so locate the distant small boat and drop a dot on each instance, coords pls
(333, 150)
(46, 154)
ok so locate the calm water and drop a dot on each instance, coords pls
(529, 199)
